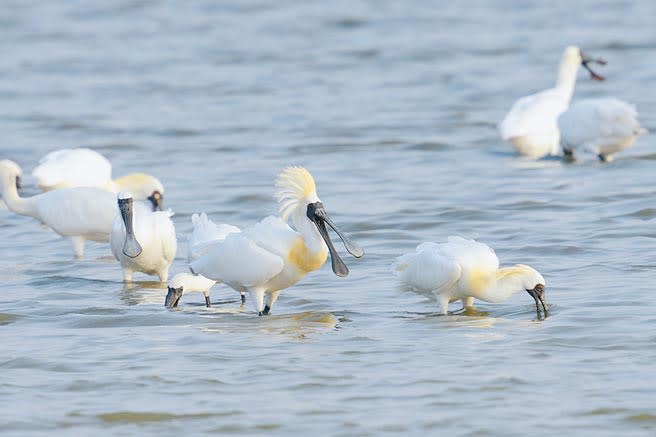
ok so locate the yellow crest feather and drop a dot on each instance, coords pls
(295, 184)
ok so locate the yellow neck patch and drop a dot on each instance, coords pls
(300, 256)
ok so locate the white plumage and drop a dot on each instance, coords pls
(601, 126)
(78, 213)
(84, 167)
(184, 283)
(143, 240)
(271, 256)
(531, 124)
(204, 236)
(462, 269)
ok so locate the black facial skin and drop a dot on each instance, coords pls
(586, 60)
(537, 294)
(317, 214)
(157, 200)
(18, 183)
(173, 297)
(131, 246)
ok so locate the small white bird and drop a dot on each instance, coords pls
(78, 213)
(206, 233)
(271, 256)
(184, 283)
(531, 125)
(143, 240)
(462, 269)
(602, 126)
(84, 167)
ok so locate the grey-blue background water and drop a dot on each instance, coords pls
(393, 107)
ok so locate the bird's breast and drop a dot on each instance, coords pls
(303, 258)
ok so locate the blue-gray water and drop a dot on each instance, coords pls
(393, 107)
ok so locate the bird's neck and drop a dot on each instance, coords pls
(567, 79)
(14, 202)
(503, 284)
(313, 251)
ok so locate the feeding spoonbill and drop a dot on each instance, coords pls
(531, 125)
(184, 283)
(78, 213)
(462, 269)
(142, 240)
(602, 126)
(206, 233)
(84, 167)
(271, 256)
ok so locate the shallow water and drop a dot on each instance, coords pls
(393, 107)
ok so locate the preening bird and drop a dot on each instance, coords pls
(531, 125)
(271, 256)
(77, 213)
(462, 269)
(143, 240)
(602, 126)
(84, 167)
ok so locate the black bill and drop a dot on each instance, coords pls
(131, 247)
(173, 297)
(538, 296)
(19, 185)
(318, 215)
(587, 60)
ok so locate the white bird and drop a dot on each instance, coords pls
(602, 126)
(84, 167)
(184, 283)
(206, 233)
(271, 256)
(78, 213)
(531, 125)
(462, 269)
(143, 240)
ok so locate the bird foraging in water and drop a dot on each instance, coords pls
(271, 256)
(462, 269)
(184, 283)
(143, 240)
(205, 235)
(531, 125)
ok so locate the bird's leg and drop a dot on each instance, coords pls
(444, 305)
(467, 302)
(127, 275)
(208, 304)
(78, 246)
(164, 275)
(257, 297)
(243, 297)
(605, 158)
(568, 154)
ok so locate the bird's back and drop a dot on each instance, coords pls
(73, 168)
(205, 234)
(533, 115)
(596, 122)
(78, 211)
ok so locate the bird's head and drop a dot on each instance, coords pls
(173, 296)
(298, 200)
(11, 173)
(534, 284)
(574, 56)
(143, 186)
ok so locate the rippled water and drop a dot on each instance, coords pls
(393, 107)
